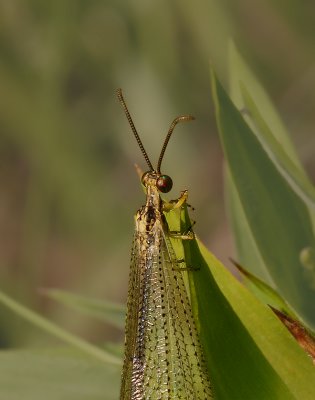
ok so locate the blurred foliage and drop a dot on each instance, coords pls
(67, 186)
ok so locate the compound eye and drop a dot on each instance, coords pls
(164, 183)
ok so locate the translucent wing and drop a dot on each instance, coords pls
(163, 355)
(130, 374)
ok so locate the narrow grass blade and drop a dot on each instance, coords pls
(56, 374)
(58, 332)
(104, 310)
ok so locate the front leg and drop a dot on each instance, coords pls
(174, 204)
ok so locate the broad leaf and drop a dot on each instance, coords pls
(278, 219)
(264, 293)
(249, 353)
(258, 111)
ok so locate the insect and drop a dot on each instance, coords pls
(163, 354)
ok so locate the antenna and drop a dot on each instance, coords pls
(169, 134)
(122, 101)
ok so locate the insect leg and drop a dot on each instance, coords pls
(185, 268)
(187, 235)
(173, 204)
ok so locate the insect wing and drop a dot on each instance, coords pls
(131, 326)
(163, 355)
(189, 374)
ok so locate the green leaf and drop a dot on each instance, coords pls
(278, 219)
(252, 356)
(56, 374)
(58, 332)
(263, 292)
(112, 313)
(241, 74)
(244, 88)
(249, 353)
(246, 246)
(295, 176)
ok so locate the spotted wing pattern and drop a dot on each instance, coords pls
(163, 355)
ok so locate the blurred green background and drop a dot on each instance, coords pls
(68, 188)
